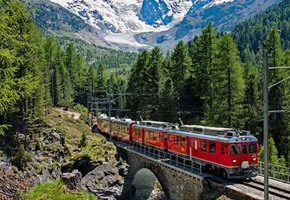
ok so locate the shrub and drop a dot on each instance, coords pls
(83, 141)
(21, 157)
(80, 108)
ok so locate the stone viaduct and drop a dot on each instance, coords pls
(177, 184)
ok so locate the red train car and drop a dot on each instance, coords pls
(229, 152)
(121, 129)
(150, 133)
(179, 142)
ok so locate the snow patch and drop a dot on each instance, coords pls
(124, 39)
(216, 2)
(63, 3)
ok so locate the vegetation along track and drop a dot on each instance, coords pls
(273, 190)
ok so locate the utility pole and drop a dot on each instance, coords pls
(266, 89)
(265, 130)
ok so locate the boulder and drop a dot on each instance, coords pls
(73, 179)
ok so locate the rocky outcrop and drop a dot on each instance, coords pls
(106, 180)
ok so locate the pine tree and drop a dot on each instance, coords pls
(153, 76)
(252, 101)
(101, 86)
(71, 67)
(203, 50)
(50, 49)
(227, 86)
(166, 104)
(273, 154)
(79, 82)
(137, 84)
(278, 95)
(179, 73)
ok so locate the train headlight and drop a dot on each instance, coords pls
(254, 159)
(234, 161)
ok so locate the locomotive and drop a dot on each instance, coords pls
(231, 153)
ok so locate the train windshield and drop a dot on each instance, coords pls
(235, 149)
(252, 148)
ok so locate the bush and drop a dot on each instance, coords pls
(83, 141)
(21, 157)
(80, 108)
(60, 128)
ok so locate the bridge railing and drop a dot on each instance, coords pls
(173, 159)
(276, 172)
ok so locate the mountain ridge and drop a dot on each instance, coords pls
(136, 24)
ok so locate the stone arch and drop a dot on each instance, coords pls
(190, 191)
(176, 184)
(145, 182)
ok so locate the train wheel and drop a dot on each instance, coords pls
(224, 174)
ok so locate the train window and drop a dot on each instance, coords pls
(224, 149)
(151, 135)
(165, 136)
(160, 136)
(147, 134)
(195, 144)
(252, 148)
(212, 147)
(203, 145)
(154, 136)
(182, 141)
(175, 139)
(244, 147)
(235, 149)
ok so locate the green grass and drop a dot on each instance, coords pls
(55, 190)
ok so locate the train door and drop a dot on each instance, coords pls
(165, 139)
(143, 135)
(193, 147)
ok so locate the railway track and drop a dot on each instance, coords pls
(273, 190)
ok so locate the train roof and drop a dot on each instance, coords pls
(204, 128)
(107, 119)
(125, 121)
(156, 124)
(233, 137)
(211, 133)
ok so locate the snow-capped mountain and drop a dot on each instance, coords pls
(146, 23)
(119, 16)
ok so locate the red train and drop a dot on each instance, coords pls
(231, 153)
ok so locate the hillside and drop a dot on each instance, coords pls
(253, 32)
(47, 157)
